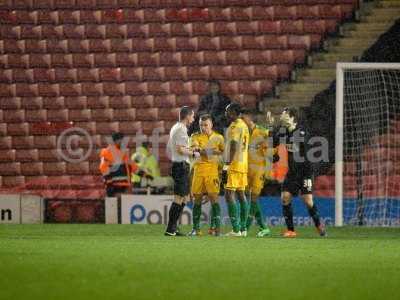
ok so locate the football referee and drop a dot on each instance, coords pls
(180, 152)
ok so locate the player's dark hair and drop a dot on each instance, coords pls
(252, 113)
(205, 117)
(116, 136)
(293, 112)
(234, 107)
(184, 112)
(214, 81)
(146, 145)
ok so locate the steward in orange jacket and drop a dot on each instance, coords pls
(116, 167)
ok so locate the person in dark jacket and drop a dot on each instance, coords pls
(214, 104)
(300, 174)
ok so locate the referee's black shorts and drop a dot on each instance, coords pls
(180, 172)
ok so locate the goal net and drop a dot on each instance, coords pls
(367, 149)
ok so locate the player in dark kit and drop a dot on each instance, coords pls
(300, 173)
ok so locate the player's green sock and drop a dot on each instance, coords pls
(244, 213)
(250, 216)
(212, 217)
(232, 211)
(196, 216)
(258, 215)
(216, 215)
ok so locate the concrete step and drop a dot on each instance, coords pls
(316, 79)
(333, 57)
(362, 34)
(389, 4)
(375, 18)
(381, 27)
(302, 87)
(297, 95)
(349, 43)
(328, 72)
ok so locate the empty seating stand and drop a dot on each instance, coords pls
(128, 65)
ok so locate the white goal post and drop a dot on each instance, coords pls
(366, 94)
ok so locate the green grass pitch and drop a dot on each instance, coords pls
(138, 262)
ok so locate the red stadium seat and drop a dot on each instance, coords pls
(98, 102)
(18, 61)
(168, 114)
(113, 89)
(10, 169)
(131, 74)
(90, 16)
(91, 89)
(22, 75)
(13, 46)
(64, 17)
(258, 87)
(89, 127)
(165, 101)
(10, 32)
(176, 29)
(153, 128)
(14, 116)
(79, 115)
(5, 142)
(224, 28)
(78, 169)
(15, 129)
(102, 115)
(120, 102)
(59, 115)
(220, 72)
(177, 73)
(75, 102)
(143, 101)
(189, 58)
(54, 103)
(85, 74)
(129, 128)
(6, 76)
(54, 168)
(192, 44)
(106, 128)
(31, 103)
(95, 31)
(32, 168)
(61, 60)
(153, 74)
(44, 75)
(234, 57)
(106, 59)
(197, 73)
(45, 142)
(196, 29)
(22, 142)
(124, 114)
(274, 72)
(116, 31)
(7, 155)
(149, 114)
(189, 100)
(148, 59)
(244, 72)
(12, 103)
(3, 129)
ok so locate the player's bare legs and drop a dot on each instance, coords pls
(313, 212)
(287, 210)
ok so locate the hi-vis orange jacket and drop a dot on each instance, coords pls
(280, 168)
(115, 166)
